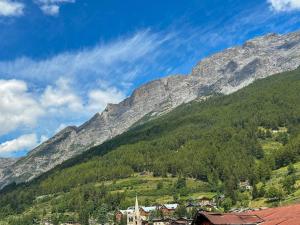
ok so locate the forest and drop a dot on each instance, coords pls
(217, 141)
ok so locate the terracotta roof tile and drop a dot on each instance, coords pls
(231, 218)
(288, 215)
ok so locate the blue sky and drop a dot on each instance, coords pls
(61, 61)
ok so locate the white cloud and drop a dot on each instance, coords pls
(284, 5)
(52, 7)
(19, 144)
(98, 99)
(11, 8)
(115, 62)
(61, 96)
(18, 107)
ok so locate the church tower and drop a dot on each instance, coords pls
(137, 217)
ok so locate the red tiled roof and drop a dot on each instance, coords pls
(288, 215)
(232, 219)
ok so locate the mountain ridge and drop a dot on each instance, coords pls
(223, 72)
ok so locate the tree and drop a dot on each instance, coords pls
(243, 199)
(84, 216)
(156, 214)
(181, 211)
(275, 193)
(181, 183)
(226, 204)
(159, 185)
(102, 214)
(291, 169)
(255, 192)
(283, 138)
(268, 133)
(288, 183)
(55, 219)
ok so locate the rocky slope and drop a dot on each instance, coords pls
(224, 72)
(6, 162)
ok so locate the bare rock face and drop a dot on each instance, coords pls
(237, 67)
(5, 163)
(224, 72)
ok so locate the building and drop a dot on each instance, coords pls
(202, 203)
(205, 201)
(288, 215)
(145, 211)
(180, 221)
(171, 221)
(121, 214)
(140, 214)
(168, 209)
(161, 222)
(134, 216)
(245, 185)
(205, 218)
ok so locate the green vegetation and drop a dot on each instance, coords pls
(218, 142)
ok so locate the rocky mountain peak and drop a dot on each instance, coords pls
(257, 58)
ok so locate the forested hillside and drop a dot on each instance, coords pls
(220, 141)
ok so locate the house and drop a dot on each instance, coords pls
(145, 211)
(172, 221)
(119, 215)
(180, 221)
(205, 218)
(287, 215)
(204, 201)
(161, 222)
(245, 185)
(168, 209)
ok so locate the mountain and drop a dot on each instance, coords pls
(210, 145)
(224, 72)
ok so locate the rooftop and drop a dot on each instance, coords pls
(287, 215)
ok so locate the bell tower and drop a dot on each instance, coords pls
(137, 217)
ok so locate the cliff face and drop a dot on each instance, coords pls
(224, 72)
(4, 164)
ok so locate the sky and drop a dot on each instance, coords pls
(62, 61)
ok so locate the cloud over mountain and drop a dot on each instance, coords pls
(18, 144)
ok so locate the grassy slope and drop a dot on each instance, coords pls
(270, 146)
(276, 178)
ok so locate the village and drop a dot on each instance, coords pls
(164, 214)
(285, 215)
(198, 211)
